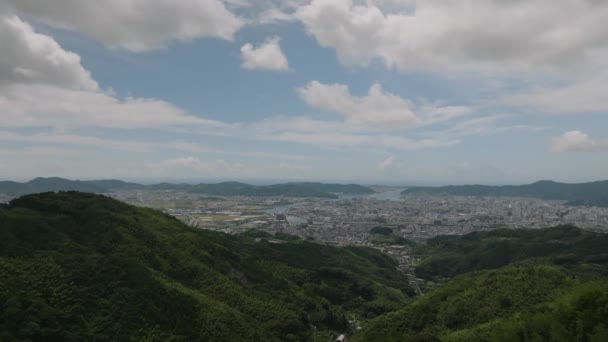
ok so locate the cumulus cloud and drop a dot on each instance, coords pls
(268, 56)
(492, 35)
(43, 85)
(31, 58)
(386, 163)
(370, 121)
(378, 109)
(135, 25)
(577, 141)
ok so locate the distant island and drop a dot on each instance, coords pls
(579, 194)
(296, 189)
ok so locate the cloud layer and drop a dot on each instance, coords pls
(577, 141)
(491, 35)
(31, 58)
(268, 56)
(135, 25)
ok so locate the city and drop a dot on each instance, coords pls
(348, 220)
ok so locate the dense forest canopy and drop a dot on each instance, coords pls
(506, 285)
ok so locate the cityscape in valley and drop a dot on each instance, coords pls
(304, 170)
(349, 219)
(388, 218)
(337, 218)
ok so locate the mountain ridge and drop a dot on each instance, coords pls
(292, 189)
(582, 194)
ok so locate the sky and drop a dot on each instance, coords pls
(376, 91)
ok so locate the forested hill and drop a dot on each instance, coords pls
(302, 189)
(591, 194)
(506, 285)
(78, 267)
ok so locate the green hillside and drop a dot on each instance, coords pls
(506, 285)
(573, 248)
(532, 303)
(588, 194)
(77, 266)
(305, 189)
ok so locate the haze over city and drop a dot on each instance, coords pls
(381, 91)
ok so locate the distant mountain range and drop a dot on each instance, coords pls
(303, 189)
(588, 194)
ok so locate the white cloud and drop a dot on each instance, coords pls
(189, 166)
(135, 25)
(488, 35)
(386, 163)
(43, 85)
(50, 106)
(268, 56)
(74, 139)
(46, 138)
(378, 109)
(480, 126)
(31, 58)
(587, 95)
(338, 139)
(364, 120)
(577, 141)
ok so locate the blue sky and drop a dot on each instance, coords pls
(377, 91)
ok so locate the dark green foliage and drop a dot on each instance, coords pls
(381, 230)
(384, 236)
(573, 248)
(581, 314)
(305, 189)
(532, 303)
(256, 233)
(77, 267)
(388, 240)
(589, 194)
(55, 184)
(286, 189)
(510, 285)
(286, 237)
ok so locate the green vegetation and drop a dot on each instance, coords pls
(506, 285)
(573, 248)
(305, 189)
(587, 194)
(533, 303)
(388, 240)
(77, 267)
(380, 230)
(384, 236)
